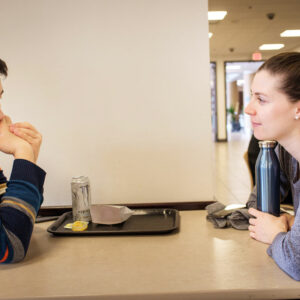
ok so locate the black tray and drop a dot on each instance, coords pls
(143, 221)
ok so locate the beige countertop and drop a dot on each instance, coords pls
(199, 262)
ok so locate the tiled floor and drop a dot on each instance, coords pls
(231, 175)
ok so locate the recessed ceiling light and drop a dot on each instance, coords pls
(271, 46)
(216, 15)
(290, 33)
(210, 34)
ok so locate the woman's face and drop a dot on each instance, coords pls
(272, 114)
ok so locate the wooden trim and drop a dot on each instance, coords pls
(175, 205)
(46, 211)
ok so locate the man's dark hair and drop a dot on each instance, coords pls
(3, 68)
(287, 65)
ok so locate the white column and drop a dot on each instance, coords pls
(221, 104)
(248, 77)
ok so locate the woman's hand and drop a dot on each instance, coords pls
(28, 133)
(290, 220)
(265, 226)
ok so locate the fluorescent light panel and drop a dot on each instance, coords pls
(290, 33)
(271, 46)
(233, 67)
(216, 15)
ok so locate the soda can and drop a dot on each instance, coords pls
(81, 198)
(267, 170)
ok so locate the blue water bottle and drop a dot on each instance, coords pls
(267, 171)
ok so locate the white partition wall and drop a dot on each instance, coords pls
(120, 91)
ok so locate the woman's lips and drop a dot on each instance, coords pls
(255, 124)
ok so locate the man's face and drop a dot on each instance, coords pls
(1, 93)
(1, 89)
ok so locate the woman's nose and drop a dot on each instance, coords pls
(249, 110)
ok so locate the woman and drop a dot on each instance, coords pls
(275, 115)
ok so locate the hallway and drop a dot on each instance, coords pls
(232, 182)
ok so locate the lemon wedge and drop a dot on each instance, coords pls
(79, 225)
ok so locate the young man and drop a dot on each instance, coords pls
(21, 196)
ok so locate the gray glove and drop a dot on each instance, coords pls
(221, 218)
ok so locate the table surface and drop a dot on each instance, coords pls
(198, 262)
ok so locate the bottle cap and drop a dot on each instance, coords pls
(267, 144)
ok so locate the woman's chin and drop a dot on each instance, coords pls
(260, 136)
(263, 137)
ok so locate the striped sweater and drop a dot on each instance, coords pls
(20, 200)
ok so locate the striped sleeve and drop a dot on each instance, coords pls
(3, 182)
(18, 209)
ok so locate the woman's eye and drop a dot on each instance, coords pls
(261, 100)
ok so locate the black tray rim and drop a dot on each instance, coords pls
(53, 227)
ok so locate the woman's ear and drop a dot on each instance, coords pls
(297, 112)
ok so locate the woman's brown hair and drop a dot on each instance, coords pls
(287, 65)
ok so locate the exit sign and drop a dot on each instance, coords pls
(256, 56)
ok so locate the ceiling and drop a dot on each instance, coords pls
(247, 26)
